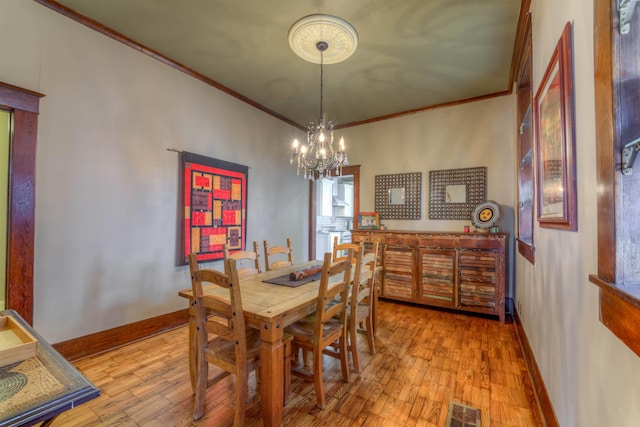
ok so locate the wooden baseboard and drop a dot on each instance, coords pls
(544, 403)
(102, 341)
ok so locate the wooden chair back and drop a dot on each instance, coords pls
(332, 301)
(361, 304)
(221, 337)
(364, 277)
(340, 249)
(250, 260)
(327, 325)
(273, 255)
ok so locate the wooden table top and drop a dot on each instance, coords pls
(267, 302)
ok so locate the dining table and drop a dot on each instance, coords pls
(269, 308)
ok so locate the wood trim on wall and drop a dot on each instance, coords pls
(522, 33)
(24, 106)
(109, 339)
(539, 389)
(605, 161)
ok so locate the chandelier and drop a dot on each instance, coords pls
(321, 39)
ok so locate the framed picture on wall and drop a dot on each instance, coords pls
(556, 164)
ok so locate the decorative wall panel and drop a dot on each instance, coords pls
(454, 193)
(397, 196)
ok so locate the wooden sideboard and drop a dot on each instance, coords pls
(461, 271)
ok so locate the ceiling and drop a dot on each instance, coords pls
(412, 54)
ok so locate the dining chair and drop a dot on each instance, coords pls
(362, 302)
(221, 336)
(232, 341)
(339, 250)
(271, 252)
(248, 258)
(328, 324)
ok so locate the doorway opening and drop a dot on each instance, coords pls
(334, 206)
(334, 212)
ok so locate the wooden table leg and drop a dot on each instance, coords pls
(271, 373)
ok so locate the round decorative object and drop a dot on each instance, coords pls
(339, 37)
(486, 214)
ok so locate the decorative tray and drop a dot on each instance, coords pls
(16, 344)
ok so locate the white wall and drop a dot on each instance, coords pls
(107, 195)
(590, 375)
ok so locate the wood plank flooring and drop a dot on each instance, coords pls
(424, 359)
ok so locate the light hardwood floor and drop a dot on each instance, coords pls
(425, 358)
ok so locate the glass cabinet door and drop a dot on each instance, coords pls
(526, 179)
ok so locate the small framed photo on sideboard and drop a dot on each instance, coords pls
(368, 221)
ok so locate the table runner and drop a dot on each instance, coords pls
(285, 281)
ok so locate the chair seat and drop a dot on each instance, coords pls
(304, 329)
(225, 351)
(362, 312)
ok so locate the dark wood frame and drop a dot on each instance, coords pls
(24, 106)
(619, 307)
(526, 148)
(562, 61)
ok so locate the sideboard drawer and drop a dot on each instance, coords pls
(437, 242)
(480, 243)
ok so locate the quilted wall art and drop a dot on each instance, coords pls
(214, 207)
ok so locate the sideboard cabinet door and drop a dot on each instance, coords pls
(437, 277)
(398, 272)
(479, 279)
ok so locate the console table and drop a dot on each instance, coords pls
(38, 389)
(461, 271)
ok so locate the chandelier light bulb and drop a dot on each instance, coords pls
(295, 144)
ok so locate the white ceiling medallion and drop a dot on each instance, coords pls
(341, 37)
